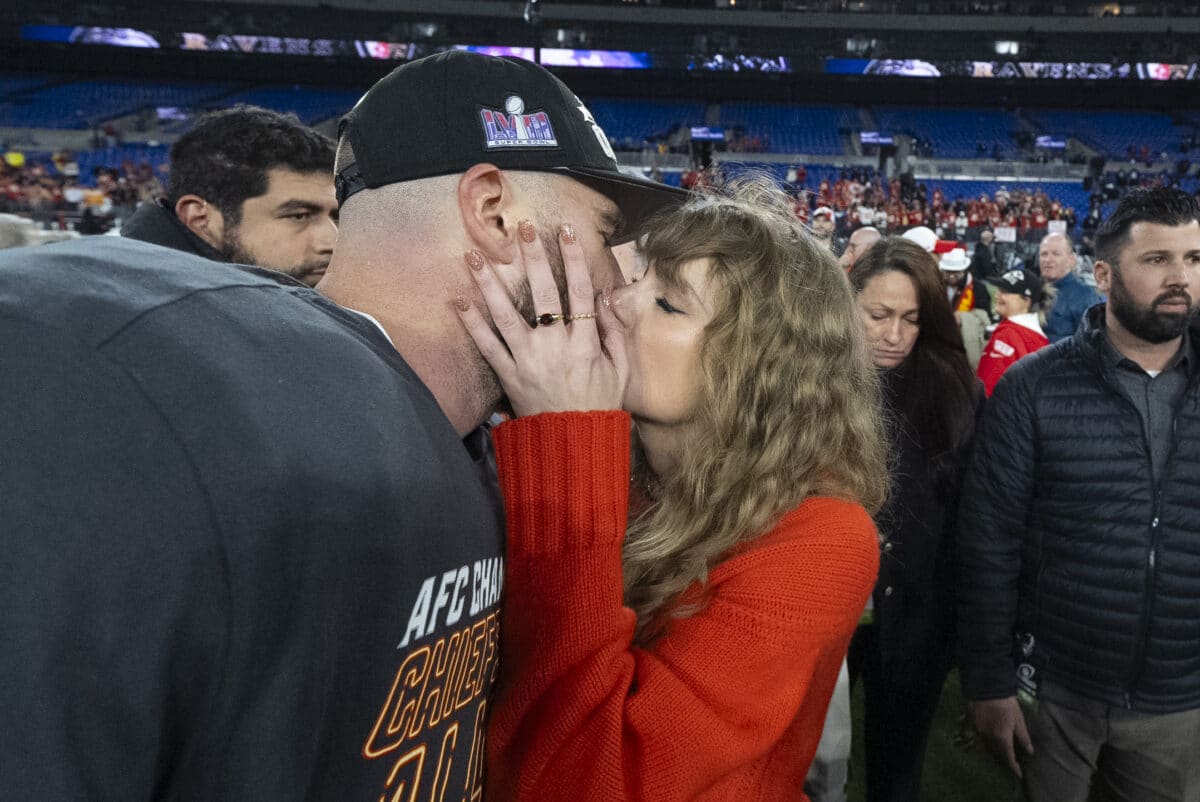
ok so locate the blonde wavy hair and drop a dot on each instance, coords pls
(789, 404)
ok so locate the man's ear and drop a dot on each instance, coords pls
(488, 207)
(1103, 272)
(202, 218)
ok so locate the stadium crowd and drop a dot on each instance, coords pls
(52, 192)
(600, 489)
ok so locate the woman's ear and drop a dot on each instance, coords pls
(487, 204)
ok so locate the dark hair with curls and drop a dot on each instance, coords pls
(937, 394)
(1166, 206)
(225, 157)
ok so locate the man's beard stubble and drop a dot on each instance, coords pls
(233, 250)
(1147, 323)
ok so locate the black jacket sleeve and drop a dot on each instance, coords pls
(997, 493)
(112, 602)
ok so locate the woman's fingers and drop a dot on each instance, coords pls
(492, 348)
(542, 287)
(540, 369)
(614, 338)
(505, 317)
(580, 293)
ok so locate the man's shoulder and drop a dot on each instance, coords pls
(95, 286)
(1036, 370)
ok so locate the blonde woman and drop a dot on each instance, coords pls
(677, 635)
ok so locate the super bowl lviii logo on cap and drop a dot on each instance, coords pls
(513, 128)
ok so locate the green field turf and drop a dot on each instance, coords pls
(958, 766)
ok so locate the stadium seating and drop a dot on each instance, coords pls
(1113, 132)
(791, 128)
(155, 155)
(311, 105)
(17, 84)
(953, 133)
(85, 104)
(629, 122)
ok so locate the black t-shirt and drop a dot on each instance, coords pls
(243, 554)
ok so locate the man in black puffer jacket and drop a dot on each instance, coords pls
(1079, 537)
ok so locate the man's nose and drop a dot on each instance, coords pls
(325, 236)
(1177, 273)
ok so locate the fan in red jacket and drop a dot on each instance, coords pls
(1018, 298)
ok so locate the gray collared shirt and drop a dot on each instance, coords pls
(1155, 397)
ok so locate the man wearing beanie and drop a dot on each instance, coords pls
(252, 543)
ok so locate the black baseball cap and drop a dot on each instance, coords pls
(444, 113)
(1019, 282)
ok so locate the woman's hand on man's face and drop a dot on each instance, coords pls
(558, 361)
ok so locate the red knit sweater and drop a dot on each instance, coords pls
(728, 705)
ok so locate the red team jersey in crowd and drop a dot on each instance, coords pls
(1013, 339)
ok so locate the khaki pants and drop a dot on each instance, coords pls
(1112, 754)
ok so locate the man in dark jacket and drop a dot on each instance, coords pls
(983, 260)
(250, 186)
(252, 543)
(1080, 532)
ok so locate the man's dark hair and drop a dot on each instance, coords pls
(225, 157)
(1165, 206)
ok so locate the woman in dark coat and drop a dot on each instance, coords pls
(904, 648)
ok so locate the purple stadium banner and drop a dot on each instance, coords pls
(259, 44)
(1038, 70)
(301, 46)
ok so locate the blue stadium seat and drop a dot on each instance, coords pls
(155, 155)
(311, 105)
(1113, 132)
(786, 128)
(954, 133)
(19, 83)
(631, 122)
(84, 104)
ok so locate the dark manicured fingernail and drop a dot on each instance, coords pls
(462, 304)
(567, 232)
(527, 232)
(606, 297)
(475, 260)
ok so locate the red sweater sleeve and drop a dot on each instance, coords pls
(581, 713)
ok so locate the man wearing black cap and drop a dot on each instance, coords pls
(464, 155)
(1018, 299)
(252, 544)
